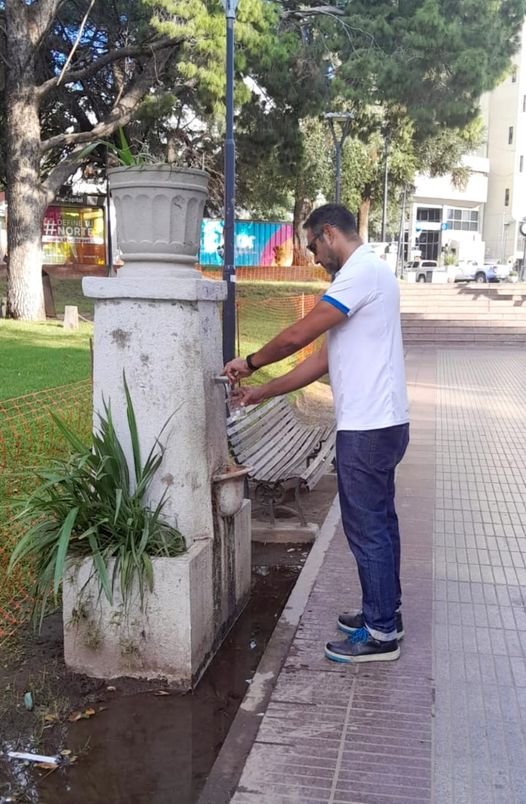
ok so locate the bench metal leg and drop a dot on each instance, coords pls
(271, 497)
(299, 506)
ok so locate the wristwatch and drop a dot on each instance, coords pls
(249, 362)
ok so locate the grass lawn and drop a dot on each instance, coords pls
(41, 355)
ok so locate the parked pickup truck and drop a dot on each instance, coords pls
(472, 271)
(424, 269)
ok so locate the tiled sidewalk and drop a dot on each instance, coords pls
(372, 734)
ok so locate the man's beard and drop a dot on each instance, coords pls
(332, 265)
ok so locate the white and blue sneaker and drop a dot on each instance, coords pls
(360, 646)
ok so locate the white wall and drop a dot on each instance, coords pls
(503, 108)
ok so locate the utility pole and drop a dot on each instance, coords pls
(386, 188)
(401, 235)
(338, 138)
(229, 270)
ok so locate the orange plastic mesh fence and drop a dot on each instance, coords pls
(29, 438)
(259, 320)
(272, 273)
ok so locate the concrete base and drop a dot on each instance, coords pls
(284, 532)
(196, 598)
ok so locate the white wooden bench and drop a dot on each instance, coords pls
(283, 453)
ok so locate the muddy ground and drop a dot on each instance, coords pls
(133, 742)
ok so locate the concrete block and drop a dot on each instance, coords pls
(170, 636)
(284, 532)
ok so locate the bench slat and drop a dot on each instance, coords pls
(295, 462)
(276, 445)
(319, 465)
(254, 414)
(271, 469)
(257, 435)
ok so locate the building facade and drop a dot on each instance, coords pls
(481, 221)
(446, 219)
(504, 114)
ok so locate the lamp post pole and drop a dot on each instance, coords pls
(229, 270)
(386, 188)
(345, 118)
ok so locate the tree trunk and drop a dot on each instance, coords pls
(302, 209)
(26, 199)
(363, 219)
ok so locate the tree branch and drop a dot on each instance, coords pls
(120, 115)
(40, 17)
(313, 11)
(113, 55)
(77, 40)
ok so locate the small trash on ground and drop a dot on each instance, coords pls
(111, 689)
(85, 715)
(253, 644)
(161, 692)
(26, 757)
(262, 571)
(28, 701)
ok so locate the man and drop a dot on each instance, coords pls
(364, 357)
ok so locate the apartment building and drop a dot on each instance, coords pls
(504, 113)
(482, 220)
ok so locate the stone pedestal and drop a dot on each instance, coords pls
(164, 335)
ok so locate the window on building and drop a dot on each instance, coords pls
(514, 76)
(521, 164)
(428, 243)
(506, 197)
(429, 214)
(464, 220)
(510, 135)
(524, 103)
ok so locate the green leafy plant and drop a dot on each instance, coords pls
(89, 505)
(126, 155)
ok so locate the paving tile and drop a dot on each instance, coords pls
(371, 734)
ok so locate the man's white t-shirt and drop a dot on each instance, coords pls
(366, 357)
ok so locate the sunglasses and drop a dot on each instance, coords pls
(312, 245)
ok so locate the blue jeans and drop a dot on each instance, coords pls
(366, 462)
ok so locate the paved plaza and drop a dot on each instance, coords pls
(447, 722)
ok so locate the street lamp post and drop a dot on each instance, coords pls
(229, 270)
(345, 119)
(386, 189)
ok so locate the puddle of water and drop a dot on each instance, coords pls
(146, 749)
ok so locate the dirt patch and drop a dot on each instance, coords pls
(136, 742)
(314, 404)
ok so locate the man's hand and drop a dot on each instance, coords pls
(236, 369)
(249, 395)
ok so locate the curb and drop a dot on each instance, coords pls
(228, 767)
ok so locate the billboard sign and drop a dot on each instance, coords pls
(74, 235)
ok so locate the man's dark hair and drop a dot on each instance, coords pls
(333, 214)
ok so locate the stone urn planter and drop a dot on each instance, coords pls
(229, 489)
(159, 210)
